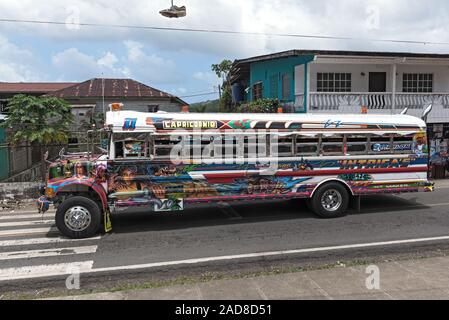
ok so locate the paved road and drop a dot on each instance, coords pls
(222, 237)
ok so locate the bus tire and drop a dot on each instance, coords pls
(330, 201)
(78, 218)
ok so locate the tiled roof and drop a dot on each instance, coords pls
(33, 87)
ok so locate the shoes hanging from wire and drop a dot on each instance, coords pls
(174, 11)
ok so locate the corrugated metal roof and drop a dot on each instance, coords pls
(113, 88)
(33, 87)
(293, 53)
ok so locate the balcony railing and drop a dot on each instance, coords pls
(377, 102)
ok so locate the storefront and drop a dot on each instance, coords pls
(439, 141)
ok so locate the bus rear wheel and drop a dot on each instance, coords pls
(78, 218)
(330, 201)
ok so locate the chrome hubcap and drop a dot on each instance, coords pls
(77, 218)
(331, 200)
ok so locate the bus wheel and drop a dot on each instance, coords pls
(78, 218)
(330, 201)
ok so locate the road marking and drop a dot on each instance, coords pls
(266, 254)
(22, 232)
(228, 210)
(26, 242)
(24, 211)
(27, 223)
(86, 267)
(42, 271)
(47, 253)
(25, 216)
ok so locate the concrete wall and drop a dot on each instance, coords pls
(32, 174)
(19, 191)
(19, 159)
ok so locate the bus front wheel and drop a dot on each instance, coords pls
(78, 218)
(330, 201)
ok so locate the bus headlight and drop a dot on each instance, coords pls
(49, 192)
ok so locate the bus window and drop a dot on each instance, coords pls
(306, 146)
(226, 147)
(119, 149)
(199, 146)
(381, 144)
(130, 145)
(133, 148)
(356, 144)
(163, 145)
(255, 146)
(332, 145)
(402, 144)
(283, 147)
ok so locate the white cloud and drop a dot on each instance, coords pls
(72, 64)
(16, 64)
(207, 77)
(403, 19)
(109, 60)
(75, 65)
(150, 66)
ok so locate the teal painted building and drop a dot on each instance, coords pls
(271, 76)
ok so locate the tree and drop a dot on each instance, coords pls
(222, 71)
(35, 119)
(42, 120)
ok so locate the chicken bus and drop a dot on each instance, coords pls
(167, 161)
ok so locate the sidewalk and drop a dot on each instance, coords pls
(443, 183)
(418, 279)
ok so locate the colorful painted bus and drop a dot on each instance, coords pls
(168, 161)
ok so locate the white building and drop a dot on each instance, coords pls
(348, 82)
(344, 81)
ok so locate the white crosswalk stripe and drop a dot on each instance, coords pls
(25, 216)
(27, 254)
(47, 270)
(29, 231)
(24, 238)
(26, 223)
(35, 241)
(12, 212)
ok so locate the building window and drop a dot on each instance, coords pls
(3, 105)
(417, 82)
(286, 86)
(274, 86)
(153, 108)
(334, 82)
(257, 91)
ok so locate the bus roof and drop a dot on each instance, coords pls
(132, 121)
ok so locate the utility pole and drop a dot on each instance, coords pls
(102, 92)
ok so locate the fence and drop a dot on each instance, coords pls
(23, 162)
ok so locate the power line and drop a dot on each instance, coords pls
(199, 94)
(231, 32)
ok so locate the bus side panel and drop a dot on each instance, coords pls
(155, 183)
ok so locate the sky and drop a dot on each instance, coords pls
(180, 62)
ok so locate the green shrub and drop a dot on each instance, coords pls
(260, 106)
